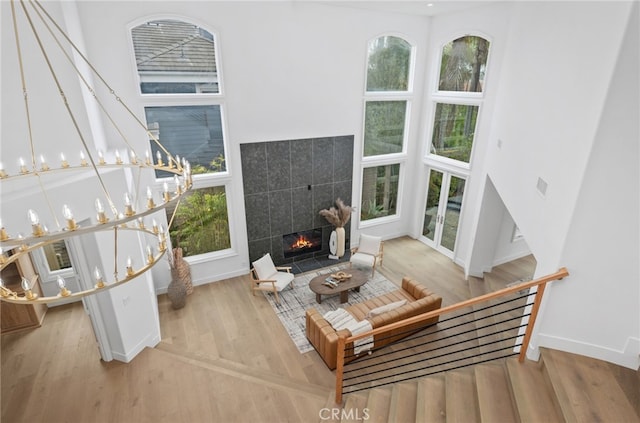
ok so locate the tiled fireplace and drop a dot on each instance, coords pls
(286, 184)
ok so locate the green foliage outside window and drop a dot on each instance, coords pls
(384, 127)
(454, 130)
(379, 191)
(388, 64)
(463, 65)
(201, 224)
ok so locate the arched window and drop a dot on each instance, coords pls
(181, 90)
(386, 120)
(388, 64)
(175, 57)
(463, 65)
(460, 84)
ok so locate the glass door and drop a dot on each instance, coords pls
(442, 211)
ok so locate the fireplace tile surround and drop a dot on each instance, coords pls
(286, 184)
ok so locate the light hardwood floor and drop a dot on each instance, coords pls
(225, 357)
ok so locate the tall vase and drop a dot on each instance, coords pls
(177, 291)
(340, 242)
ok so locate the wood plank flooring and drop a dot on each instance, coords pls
(224, 357)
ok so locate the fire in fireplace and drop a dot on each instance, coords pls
(303, 242)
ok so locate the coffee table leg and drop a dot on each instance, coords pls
(357, 289)
(318, 299)
(344, 297)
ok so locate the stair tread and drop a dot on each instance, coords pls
(378, 405)
(586, 388)
(430, 406)
(403, 402)
(353, 410)
(531, 393)
(494, 395)
(461, 399)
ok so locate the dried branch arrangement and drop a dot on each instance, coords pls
(338, 216)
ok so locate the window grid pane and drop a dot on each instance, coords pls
(175, 57)
(201, 224)
(454, 130)
(464, 63)
(379, 191)
(388, 65)
(193, 132)
(384, 127)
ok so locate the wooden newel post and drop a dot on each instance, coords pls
(532, 320)
(340, 367)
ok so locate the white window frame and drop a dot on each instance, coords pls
(399, 158)
(454, 97)
(207, 180)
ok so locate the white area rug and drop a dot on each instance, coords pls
(294, 302)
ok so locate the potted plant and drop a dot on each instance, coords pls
(338, 216)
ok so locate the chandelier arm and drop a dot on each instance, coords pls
(83, 79)
(46, 199)
(137, 184)
(66, 104)
(111, 90)
(24, 83)
(115, 252)
(173, 215)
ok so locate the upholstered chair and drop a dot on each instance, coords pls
(265, 276)
(369, 252)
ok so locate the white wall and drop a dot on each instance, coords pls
(493, 240)
(558, 120)
(603, 240)
(552, 90)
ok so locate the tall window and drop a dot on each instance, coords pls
(180, 86)
(386, 120)
(460, 85)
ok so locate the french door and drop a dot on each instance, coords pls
(442, 212)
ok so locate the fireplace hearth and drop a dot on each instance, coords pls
(302, 242)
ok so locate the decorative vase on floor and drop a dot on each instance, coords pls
(177, 291)
(180, 285)
(183, 269)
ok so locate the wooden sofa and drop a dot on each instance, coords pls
(324, 337)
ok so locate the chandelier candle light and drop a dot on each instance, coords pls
(90, 169)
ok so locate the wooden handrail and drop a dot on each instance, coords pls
(541, 282)
(463, 304)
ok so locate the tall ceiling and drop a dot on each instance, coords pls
(410, 7)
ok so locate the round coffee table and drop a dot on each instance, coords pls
(358, 278)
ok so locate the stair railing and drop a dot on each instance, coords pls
(541, 282)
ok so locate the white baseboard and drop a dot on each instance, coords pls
(507, 259)
(205, 281)
(151, 341)
(628, 356)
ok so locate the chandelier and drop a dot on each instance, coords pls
(37, 173)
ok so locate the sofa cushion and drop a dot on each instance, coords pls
(387, 307)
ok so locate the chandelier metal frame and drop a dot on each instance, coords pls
(129, 219)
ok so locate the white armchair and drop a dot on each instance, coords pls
(368, 253)
(265, 276)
